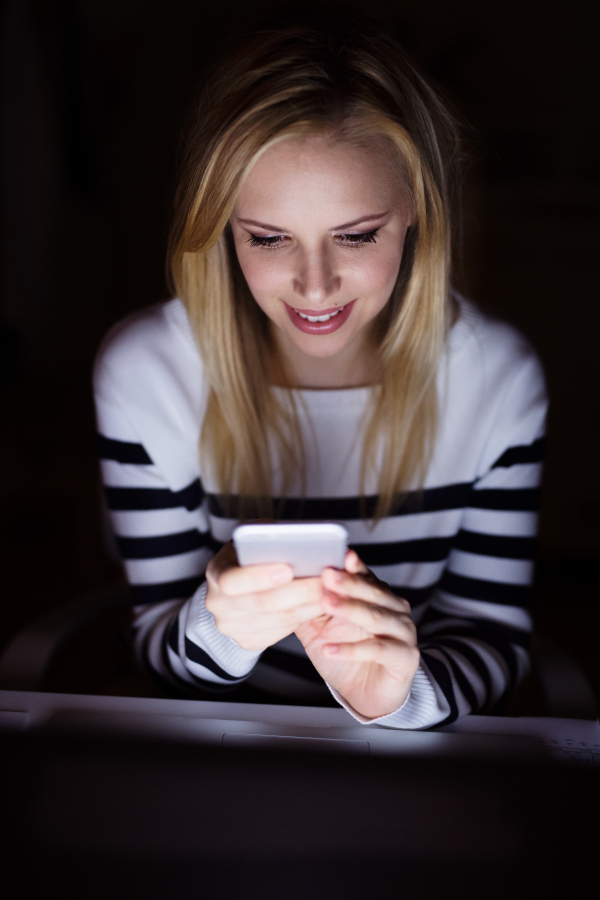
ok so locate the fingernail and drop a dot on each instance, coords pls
(280, 575)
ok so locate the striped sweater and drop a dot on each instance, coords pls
(460, 551)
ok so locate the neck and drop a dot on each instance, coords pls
(354, 367)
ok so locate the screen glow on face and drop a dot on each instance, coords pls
(319, 228)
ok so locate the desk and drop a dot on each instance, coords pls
(295, 727)
(477, 805)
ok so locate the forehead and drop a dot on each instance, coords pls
(322, 174)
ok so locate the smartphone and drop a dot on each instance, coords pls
(307, 547)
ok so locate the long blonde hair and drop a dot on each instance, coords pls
(353, 81)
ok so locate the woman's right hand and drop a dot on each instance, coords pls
(257, 606)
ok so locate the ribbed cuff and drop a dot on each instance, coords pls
(202, 630)
(424, 707)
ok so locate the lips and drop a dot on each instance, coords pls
(319, 321)
(318, 315)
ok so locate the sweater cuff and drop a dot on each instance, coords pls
(202, 630)
(424, 707)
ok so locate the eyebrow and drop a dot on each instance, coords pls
(267, 227)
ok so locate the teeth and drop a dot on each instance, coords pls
(325, 318)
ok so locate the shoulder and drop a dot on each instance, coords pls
(492, 392)
(492, 351)
(148, 371)
(156, 338)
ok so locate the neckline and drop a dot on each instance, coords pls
(319, 391)
(333, 401)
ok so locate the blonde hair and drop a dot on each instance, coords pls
(354, 82)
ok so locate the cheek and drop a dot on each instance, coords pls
(262, 274)
(377, 274)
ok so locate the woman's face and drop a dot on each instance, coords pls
(319, 228)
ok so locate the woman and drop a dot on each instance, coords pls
(317, 365)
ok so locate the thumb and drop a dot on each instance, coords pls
(354, 565)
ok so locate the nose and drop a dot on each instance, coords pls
(315, 279)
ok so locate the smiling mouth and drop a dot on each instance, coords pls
(323, 317)
(320, 321)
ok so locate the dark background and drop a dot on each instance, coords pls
(95, 95)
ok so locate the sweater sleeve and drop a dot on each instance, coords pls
(474, 638)
(474, 635)
(164, 540)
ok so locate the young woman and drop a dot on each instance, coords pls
(317, 365)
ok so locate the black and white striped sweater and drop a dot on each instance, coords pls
(461, 551)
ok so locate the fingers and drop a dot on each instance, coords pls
(358, 596)
(255, 620)
(377, 620)
(238, 580)
(354, 564)
(281, 623)
(224, 573)
(272, 588)
(385, 651)
(224, 559)
(299, 592)
(363, 586)
(258, 605)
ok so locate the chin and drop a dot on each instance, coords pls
(318, 348)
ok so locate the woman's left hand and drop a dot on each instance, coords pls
(365, 643)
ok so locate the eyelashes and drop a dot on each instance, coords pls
(352, 240)
(345, 240)
(270, 242)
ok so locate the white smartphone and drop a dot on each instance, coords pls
(307, 547)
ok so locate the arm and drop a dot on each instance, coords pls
(150, 396)
(474, 636)
(181, 579)
(164, 540)
(470, 648)
(474, 633)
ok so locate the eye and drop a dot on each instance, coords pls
(272, 242)
(356, 240)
